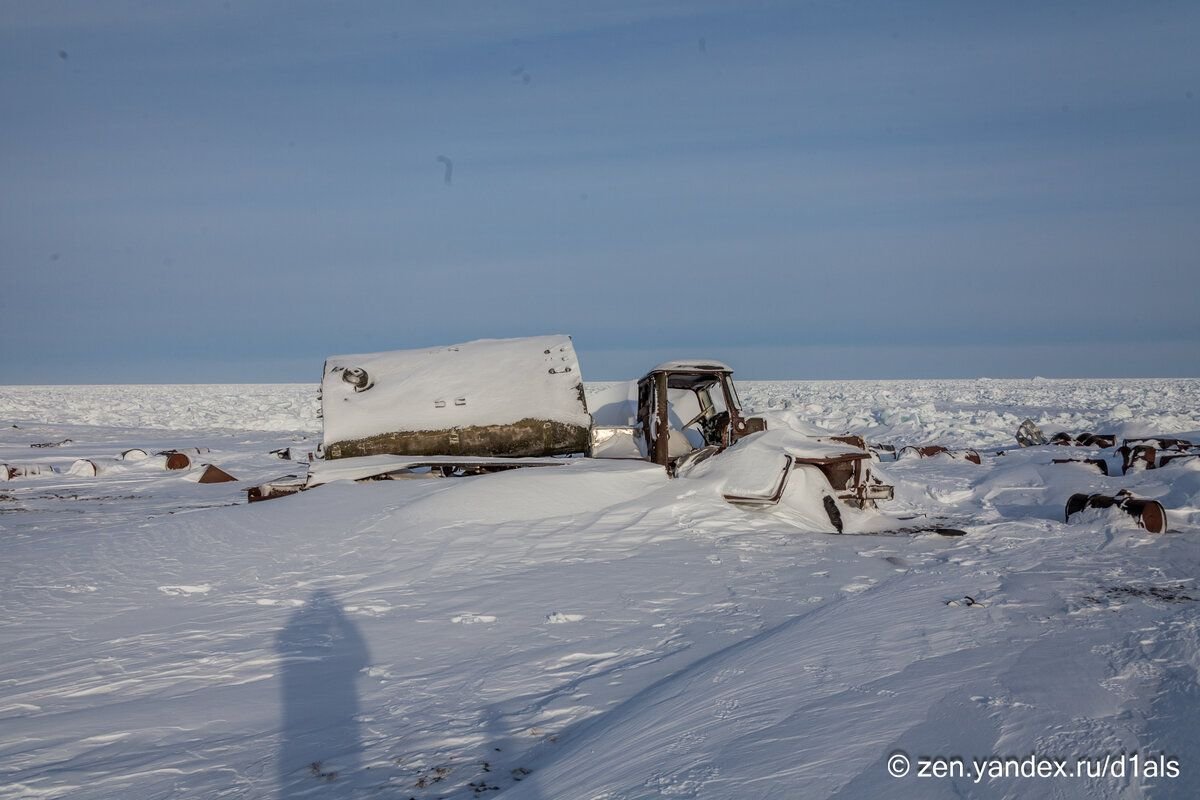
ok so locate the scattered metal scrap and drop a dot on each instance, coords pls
(280, 487)
(1149, 514)
(1162, 443)
(1135, 454)
(1030, 435)
(1100, 463)
(1087, 439)
(1137, 457)
(929, 451)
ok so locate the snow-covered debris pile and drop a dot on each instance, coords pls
(593, 630)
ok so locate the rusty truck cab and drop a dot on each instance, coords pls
(689, 408)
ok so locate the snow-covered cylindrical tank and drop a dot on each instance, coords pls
(491, 397)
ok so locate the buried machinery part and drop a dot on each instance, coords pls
(1099, 463)
(1138, 456)
(1149, 514)
(1030, 435)
(929, 451)
(1100, 440)
(176, 460)
(280, 487)
(1160, 443)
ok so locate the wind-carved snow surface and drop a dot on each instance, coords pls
(591, 631)
(256, 407)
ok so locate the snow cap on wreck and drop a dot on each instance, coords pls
(490, 397)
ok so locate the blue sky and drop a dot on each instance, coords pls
(232, 191)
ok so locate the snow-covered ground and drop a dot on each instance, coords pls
(592, 631)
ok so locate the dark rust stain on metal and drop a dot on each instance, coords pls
(525, 438)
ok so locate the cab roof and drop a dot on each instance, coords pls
(692, 365)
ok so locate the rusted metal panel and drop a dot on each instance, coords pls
(741, 427)
(214, 474)
(850, 477)
(1149, 514)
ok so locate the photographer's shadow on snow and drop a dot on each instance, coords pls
(321, 656)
